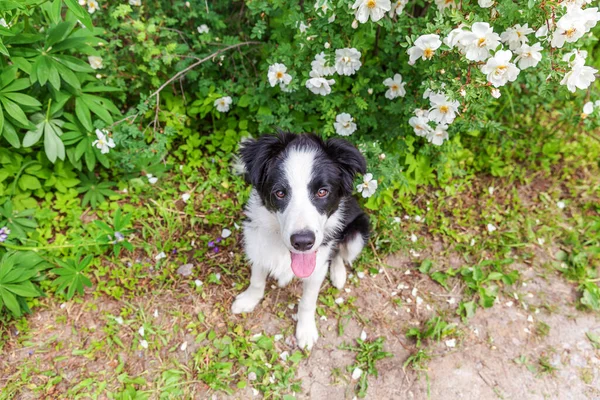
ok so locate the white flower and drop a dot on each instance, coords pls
(318, 84)
(326, 45)
(303, 27)
(451, 343)
(160, 256)
(413, 238)
(443, 4)
(454, 38)
(354, 24)
(135, 3)
(82, 2)
(438, 135)
(499, 69)
(152, 180)
(374, 9)
(104, 143)
(528, 56)
(574, 4)
(185, 197)
(396, 87)
(347, 61)
(155, 315)
(225, 233)
(397, 8)
(479, 41)
(92, 6)
(357, 373)
(542, 32)
(330, 20)
(491, 228)
(541, 241)
(368, 187)
(424, 48)
(141, 331)
(443, 110)
(516, 36)
(485, 3)
(222, 104)
(278, 75)
(580, 76)
(144, 344)
(198, 282)
(187, 4)
(95, 62)
(344, 124)
(320, 67)
(3, 23)
(496, 93)
(588, 108)
(573, 25)
(420, 125)
(203, 28)
(363, 335)
(560, 204)
(183, 346)
(119, 320)
(339, 300)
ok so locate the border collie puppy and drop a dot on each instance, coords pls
(301, 218)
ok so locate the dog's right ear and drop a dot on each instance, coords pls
(257, 155)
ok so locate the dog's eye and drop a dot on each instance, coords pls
(280, 194)
(322, 192)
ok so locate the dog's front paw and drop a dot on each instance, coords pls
(306, 334)
(338, 276)
(245, 302)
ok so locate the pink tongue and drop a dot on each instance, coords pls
(303, 264)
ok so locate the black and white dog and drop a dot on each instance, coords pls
(301, 218)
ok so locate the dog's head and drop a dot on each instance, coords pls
(302, 180)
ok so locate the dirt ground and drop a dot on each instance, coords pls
(482, 365)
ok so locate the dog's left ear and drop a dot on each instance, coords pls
(350, 160)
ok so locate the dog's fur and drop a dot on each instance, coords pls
(298, 168)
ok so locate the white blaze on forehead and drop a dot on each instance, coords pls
(298, 171)
(300, 213)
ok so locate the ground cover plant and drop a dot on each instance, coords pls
(121, 196)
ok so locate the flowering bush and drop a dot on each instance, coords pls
(409, 81)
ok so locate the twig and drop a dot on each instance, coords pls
(181, 74)
(381, 263)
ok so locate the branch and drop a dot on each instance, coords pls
(179, 75)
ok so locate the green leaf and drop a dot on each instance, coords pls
(68, 76)
(14, 111)
(23, 289)
(17, 85)
(10, 134)
(28, 182)
(22, 99)
(80, 12)
(32, 137)
(1, 121)
(3, 49)
(10, 301)
(58, 33)
(83, 113)
(42, 70)
(73, 63)
(97, 109)
(53, 146)
(53, 77)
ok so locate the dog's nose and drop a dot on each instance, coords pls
(303, 240)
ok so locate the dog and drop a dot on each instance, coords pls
(301, 218)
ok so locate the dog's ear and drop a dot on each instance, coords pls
(350, 160)
(257, 155)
